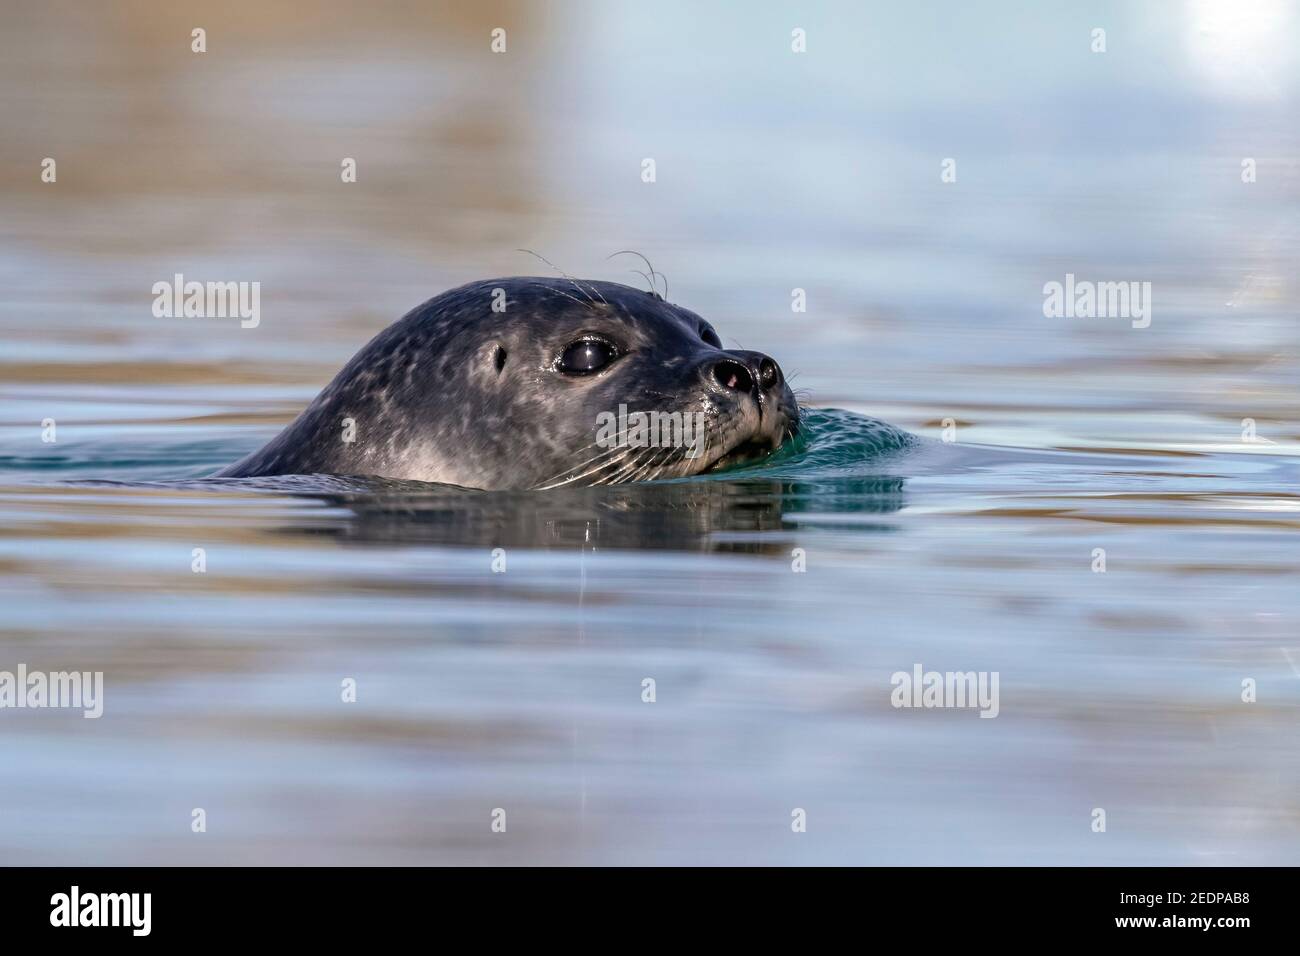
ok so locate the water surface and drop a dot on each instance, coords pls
(522, 690)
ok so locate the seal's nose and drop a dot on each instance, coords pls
(731, 374)
(751, 372)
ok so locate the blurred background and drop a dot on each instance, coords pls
(775, 170)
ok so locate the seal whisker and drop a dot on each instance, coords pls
(708, 446)
(613, 477)
(611, 456)
(625, 472)
(641, 467)
(647, 278)
(608, 455)
(569, 297)
(559, 481)
(618, 447)
(633, 252)
(571, 279)
(638, 461)
(618, 467)
(653, 468)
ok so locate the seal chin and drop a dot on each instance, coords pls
(753, 449)
(747, 452)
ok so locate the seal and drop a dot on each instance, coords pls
(537, 382)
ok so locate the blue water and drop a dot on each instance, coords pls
(499, 642)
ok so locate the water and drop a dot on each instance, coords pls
(523, 690)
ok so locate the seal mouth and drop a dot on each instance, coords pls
(748, 451)
(755, 448)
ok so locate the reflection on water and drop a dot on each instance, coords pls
(715, 516)
(1113, 529)
(843, 462)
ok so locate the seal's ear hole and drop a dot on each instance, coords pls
(499, 359)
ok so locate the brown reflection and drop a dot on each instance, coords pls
(159, 147)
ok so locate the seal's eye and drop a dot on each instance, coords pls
(586, 356)
(710, 336)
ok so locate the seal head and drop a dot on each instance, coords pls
(531, 382)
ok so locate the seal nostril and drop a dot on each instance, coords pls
(769, 373)
(731, 374)
(499, 359)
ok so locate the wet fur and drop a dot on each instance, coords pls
(430, 403)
